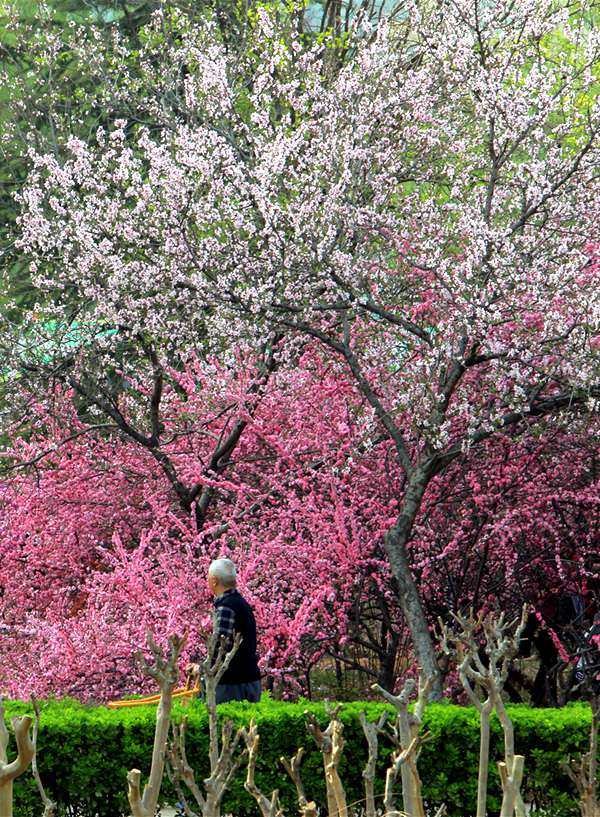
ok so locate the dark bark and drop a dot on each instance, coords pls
(387, 666)
(396, 546)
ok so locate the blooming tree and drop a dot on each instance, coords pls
(518, 517)
(95, 546)
(427, 212)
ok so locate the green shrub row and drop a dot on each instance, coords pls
(84, 753)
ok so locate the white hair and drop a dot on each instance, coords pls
(224, 572)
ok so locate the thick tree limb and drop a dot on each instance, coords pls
(406, 735)
(165, 672)
(11, 771)
(371, 731)
(268, 808)
(331, 744)
(224, 757)
(500, 645)
(292, 767)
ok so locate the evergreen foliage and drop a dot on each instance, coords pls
(85, 752)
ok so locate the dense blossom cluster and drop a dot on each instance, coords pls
(95, 548)
(519, 517)
(440, 189)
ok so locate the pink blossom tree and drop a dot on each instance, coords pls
(427, 212)
(96, 548)
(519, 514)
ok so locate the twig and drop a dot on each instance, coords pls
(49, 805)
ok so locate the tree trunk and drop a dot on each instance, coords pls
(331, 745)
(6, 799)
(511, 770)
(372, 731)
(484, 756)
(406, 772)
(165, 673)
(395, 544)
(387, 663)
(10, 771)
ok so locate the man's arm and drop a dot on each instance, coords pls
(224, 625)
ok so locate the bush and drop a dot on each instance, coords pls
(85, 753)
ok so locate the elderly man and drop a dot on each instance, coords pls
(233, 614)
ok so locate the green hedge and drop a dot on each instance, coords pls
(85, 753)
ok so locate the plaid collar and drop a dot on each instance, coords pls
(224, 595)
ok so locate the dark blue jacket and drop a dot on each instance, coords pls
(243, 668)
